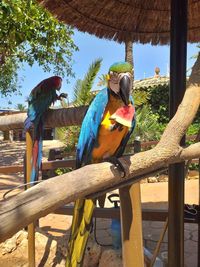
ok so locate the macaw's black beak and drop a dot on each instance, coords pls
(124, 90)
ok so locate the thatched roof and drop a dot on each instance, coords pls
(151, 82)
(146, 21)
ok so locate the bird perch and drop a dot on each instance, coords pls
(38, 201)
(55, 118)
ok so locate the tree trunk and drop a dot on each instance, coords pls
(130, 208)
(129, 54)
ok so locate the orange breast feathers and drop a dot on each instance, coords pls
(109, 137)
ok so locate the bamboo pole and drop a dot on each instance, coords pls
(31, 227)
(157, 249)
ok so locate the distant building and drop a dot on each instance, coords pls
(19, 134)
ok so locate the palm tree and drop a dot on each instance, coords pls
(129, 54)
(83, 88)
(20, 107)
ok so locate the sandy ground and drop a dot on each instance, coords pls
(154, 195)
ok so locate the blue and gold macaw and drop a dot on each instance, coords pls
(101, 138)
(39, 100)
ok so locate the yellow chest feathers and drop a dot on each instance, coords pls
(109, 137)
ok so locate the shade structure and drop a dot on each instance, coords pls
(146, 21)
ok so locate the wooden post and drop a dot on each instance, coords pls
(31, 228)
(131, 221)
(199, 222)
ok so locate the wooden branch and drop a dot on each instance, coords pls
(19, 211)
(191, 152)
(38, 201)
(55, 118)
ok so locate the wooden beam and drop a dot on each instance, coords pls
(131, 222)
(54, 118)
(46, 165)
(31, 227)
(112, 213)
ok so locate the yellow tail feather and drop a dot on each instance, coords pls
(80, 230)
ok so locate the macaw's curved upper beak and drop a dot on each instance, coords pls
(124, 91)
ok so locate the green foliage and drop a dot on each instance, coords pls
(193, 129)
(194, 166)
(31, 34)
(159, 101)
(147, 125)
(82, 89)
(61, 171)
(103, 80)
(140, 97)
(21, 107)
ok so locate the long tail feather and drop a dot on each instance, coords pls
(27, 124)
(37, 152)
(81, 226)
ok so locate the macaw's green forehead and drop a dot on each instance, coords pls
(121, 67)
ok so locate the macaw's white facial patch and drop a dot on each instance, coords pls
(114, 80)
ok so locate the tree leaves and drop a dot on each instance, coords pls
(31, 34)
(82, 89)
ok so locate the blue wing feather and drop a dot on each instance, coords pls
(90, 128)
(37, 107)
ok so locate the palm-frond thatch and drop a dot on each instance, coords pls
(146, 21)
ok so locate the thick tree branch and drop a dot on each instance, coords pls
(43, 198)
(191, 152)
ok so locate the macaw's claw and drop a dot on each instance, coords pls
(115, 161)
(63, 95)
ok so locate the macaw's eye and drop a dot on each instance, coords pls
(113, 74)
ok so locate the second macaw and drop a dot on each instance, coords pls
(104, 135)
(39, 100)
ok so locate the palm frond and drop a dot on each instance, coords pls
(140, 97)
(103, 81)
(82, 90)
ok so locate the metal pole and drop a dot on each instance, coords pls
(178, 55)
(31, 227)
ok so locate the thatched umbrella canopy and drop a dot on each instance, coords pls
(146, 21)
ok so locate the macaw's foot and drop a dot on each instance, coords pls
(101, 200)
(115, 161)
(63, 95)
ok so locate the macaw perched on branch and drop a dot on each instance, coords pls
(39, 100)
(104, 134)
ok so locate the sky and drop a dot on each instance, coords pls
(146, 58)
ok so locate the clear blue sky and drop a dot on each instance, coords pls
(146, 58)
